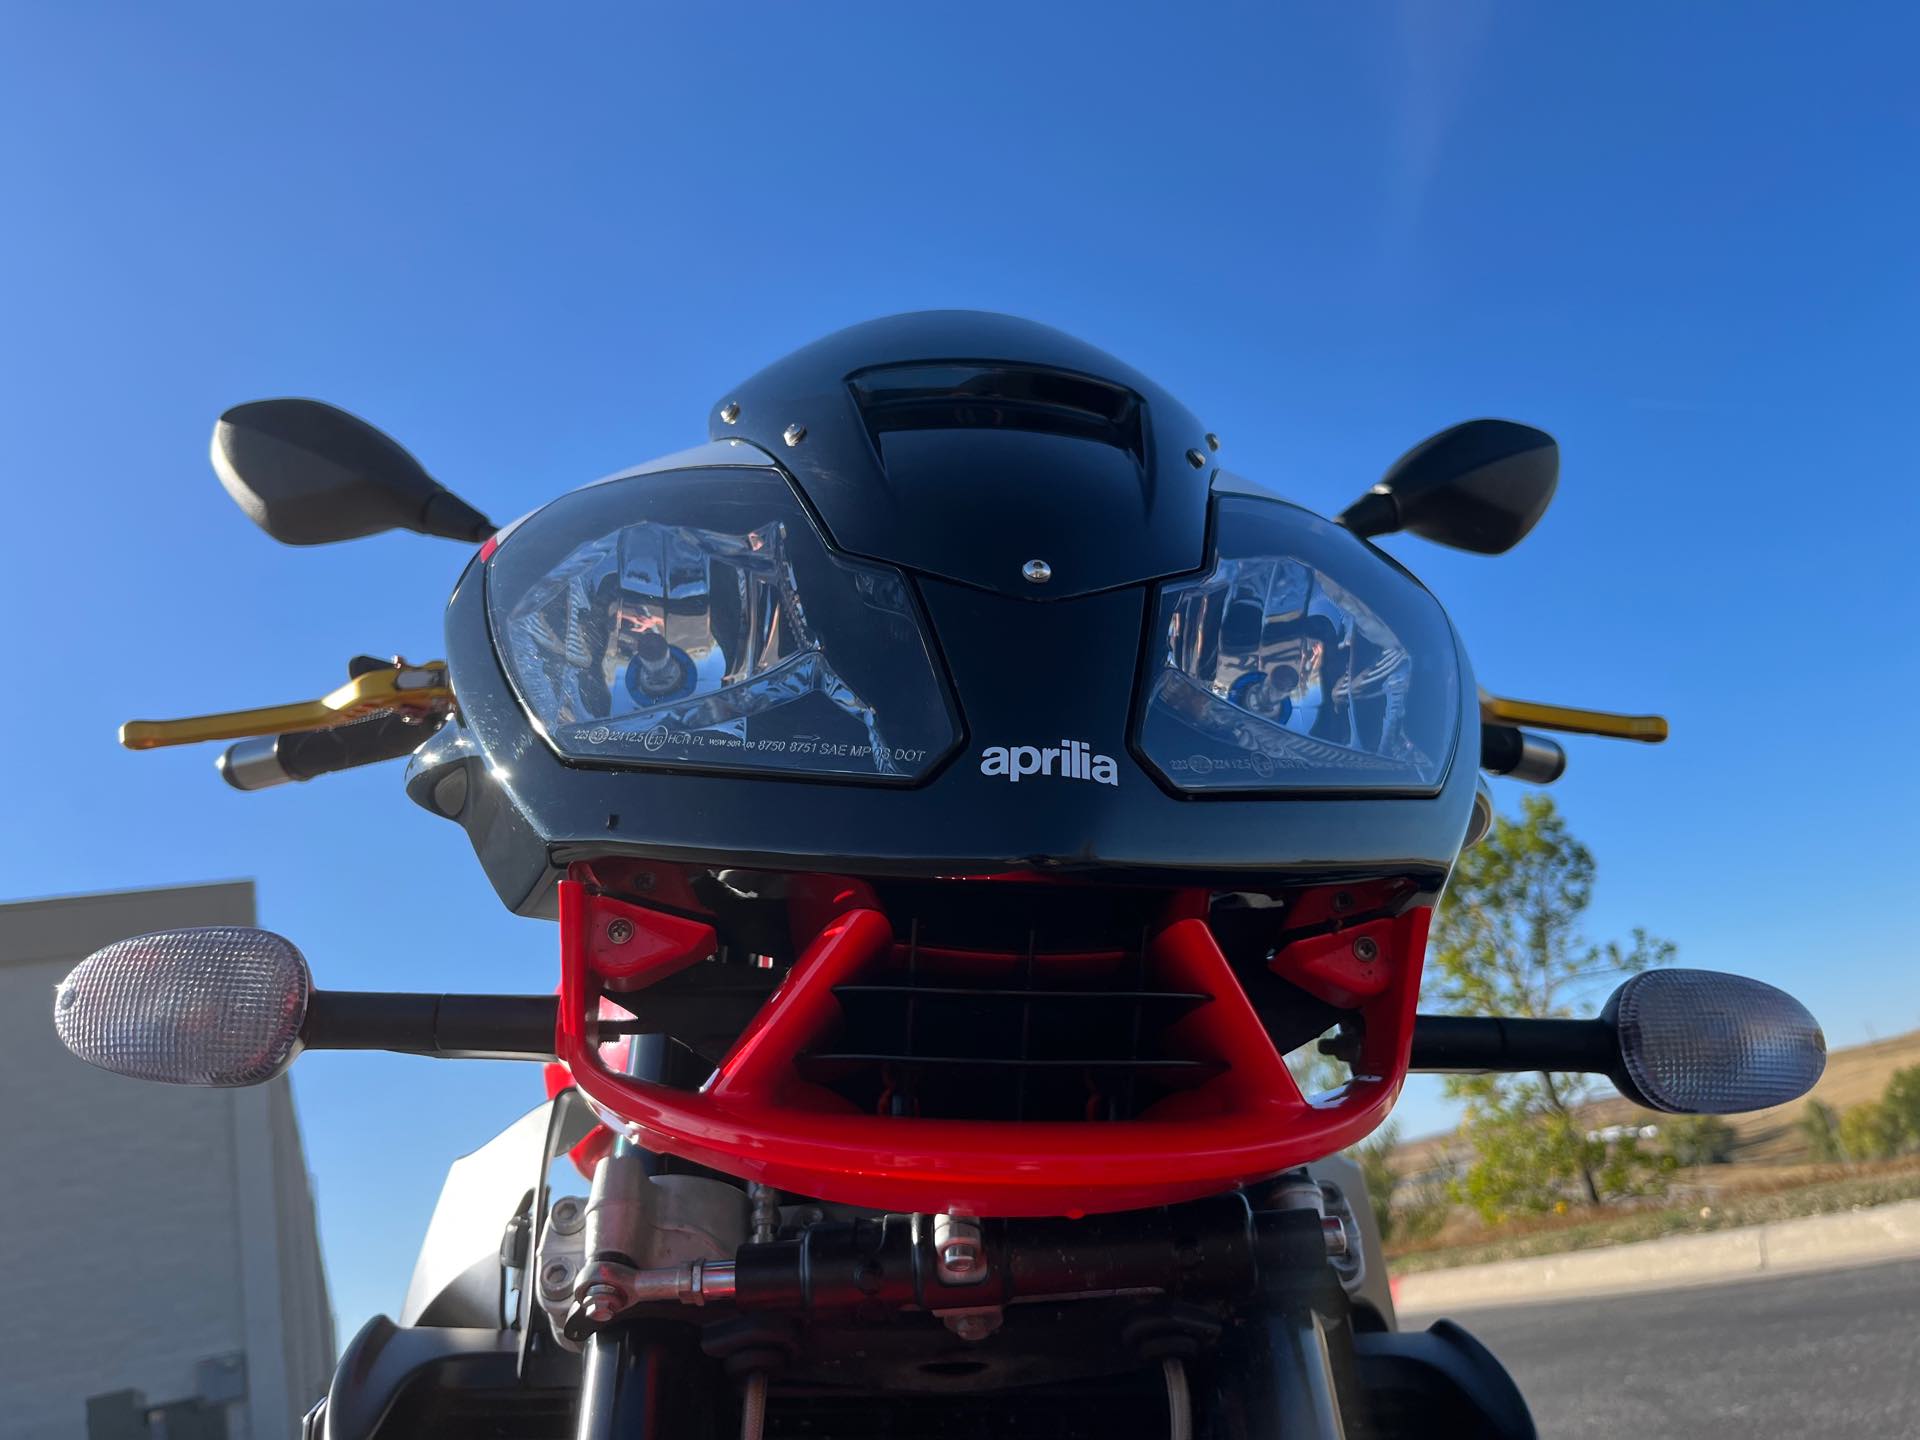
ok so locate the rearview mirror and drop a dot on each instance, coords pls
(308, 473)
(1479, 486)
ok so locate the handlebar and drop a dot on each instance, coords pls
(267, 760)
(1507, 750)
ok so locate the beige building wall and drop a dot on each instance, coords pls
(144, 1229)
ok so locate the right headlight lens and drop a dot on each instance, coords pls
(1301, 661)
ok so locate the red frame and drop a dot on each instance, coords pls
(756, 1118)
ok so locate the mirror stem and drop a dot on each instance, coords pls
(451, 518)
(1374, 513)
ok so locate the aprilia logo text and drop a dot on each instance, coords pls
(1072, 760)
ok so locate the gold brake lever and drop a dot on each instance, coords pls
(1651, 729)
(400, 687)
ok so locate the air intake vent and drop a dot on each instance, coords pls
(901, 398)
(940, 1033)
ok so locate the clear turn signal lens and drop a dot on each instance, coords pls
(1695, 1042)
(220, 1005)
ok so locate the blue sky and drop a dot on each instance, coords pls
(535, 245)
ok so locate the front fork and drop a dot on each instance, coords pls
(1282, 1369)
(1287, 1360)
(637, 1381)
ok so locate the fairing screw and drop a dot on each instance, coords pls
(730, 411)
(959, 1259)
(619, 931)
(1366, 948)
(1037, 572)
(794, 434)
(1213, 441)
(556, 1279)
(1196, 459)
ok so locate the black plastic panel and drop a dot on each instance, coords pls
(1026, 675)
(1009, 442)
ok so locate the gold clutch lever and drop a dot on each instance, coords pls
(1651, 729)
(401, 687)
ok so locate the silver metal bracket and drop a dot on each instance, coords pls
(959, 1257)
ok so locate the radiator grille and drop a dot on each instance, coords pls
(1034, 1034)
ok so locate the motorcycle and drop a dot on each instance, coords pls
(957, 794)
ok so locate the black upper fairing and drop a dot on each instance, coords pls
(953, 448)
(964, 444)
(1023, 673)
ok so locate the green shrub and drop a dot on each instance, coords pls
(1698, 1140)
(1402, 1212)
(1870, 1132)
(1903, 1105)
(1821, 1127)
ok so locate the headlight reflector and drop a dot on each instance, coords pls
(696, 618)
(1300, 661)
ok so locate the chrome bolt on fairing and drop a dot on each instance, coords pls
(730, 411)
(1037, 572)
(794, 434)
(1366, 948)
(1196, 459)
(619, 931)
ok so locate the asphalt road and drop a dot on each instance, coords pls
(1798, 1356)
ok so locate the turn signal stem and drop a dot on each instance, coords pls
(446, 1027)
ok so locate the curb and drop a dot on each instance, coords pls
(1813, 1242)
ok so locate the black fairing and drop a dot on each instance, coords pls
(1071, 676)
(1022, 674)
(964, 444)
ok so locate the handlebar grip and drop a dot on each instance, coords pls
(1508, 750)
(269, 760)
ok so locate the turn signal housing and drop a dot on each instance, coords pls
(218, 1005)
(1696, 1042)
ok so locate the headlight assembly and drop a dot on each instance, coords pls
(695, 618)
(1300, 661)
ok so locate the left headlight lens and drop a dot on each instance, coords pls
(1300, 661)
(696, 618)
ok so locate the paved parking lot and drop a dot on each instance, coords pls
(1799, 1355)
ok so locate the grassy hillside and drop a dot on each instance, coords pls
(1767, 1137)
(1770, 1176)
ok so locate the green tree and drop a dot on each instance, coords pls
(1698, 1140)
(1902, 1100)
(1869, 1132)
(1402, 1213)
(1821, 1129)
(1507, 940)
(1374, 1155)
